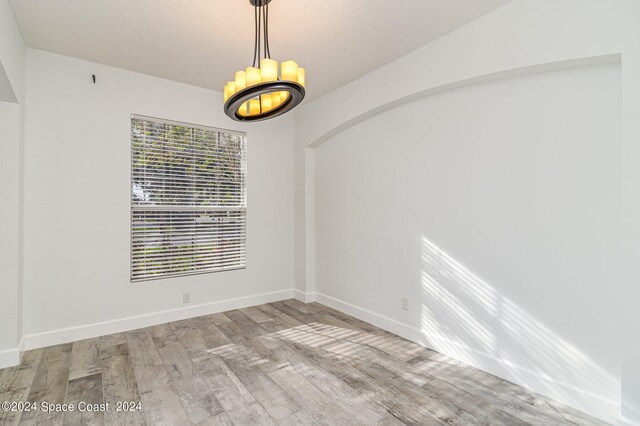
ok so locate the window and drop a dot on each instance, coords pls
(188, 199)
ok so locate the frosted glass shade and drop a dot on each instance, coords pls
(265, 102)
(241, 80)
(289, 70)
(269, 69)
(253, 76)
(254, 107)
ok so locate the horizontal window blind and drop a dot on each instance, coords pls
(188, 199)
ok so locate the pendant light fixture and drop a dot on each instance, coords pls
(261, 92)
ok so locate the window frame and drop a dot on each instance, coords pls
(184, 208)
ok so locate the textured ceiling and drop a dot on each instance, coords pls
(204, 42)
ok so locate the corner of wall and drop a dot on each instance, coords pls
(13, 62)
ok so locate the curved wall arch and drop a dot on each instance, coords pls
(613, 58)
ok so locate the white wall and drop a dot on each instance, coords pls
(519, 38)
(300, 256)
(77, 203)
(9, 231)
(12, 51)
(495, 209)
(630, 251)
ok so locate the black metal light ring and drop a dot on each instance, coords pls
(235, 101)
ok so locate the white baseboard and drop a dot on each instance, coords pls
(9, 357)
(72, 334)
(304, 297)
(587, 402)
(625, 421)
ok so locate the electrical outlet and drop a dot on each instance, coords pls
(186, 297)
(405, 303)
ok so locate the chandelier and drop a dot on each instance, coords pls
(261, 92)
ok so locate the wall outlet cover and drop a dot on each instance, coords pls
(405, 304)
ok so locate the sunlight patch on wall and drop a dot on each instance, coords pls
(465, 317)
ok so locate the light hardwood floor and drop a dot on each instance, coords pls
(281, 363)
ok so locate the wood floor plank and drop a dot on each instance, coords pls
(160, 404)
(142, 350)
(372, 381)
(348, 343)
(300, 418)
(7, 376)
(177, 361)
(492, 389)
(210, 333)
(85, 393)
(244, 333)
(256, 314)
(19, 377)
(239, 404)
(190, 337)
(571, 415)
(85, 358)
(113, 340)
(17, 383)
(196, 397)
(373, 388)
(49, 385)
(119, 383)
(209, 372)
(285, 320)
(162, 335)
(276, 402)
(284, 363)
(302, 307)
(321, 407)
(291, 312)
(221, 419)
(252, 414)
(379, 339)
(347, 398)
(218, 318)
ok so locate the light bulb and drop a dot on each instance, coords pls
(269, 69)
(253, 76)
(289, 71)
(254, 107)
(265, 102)
(241, 80)
(243, 109)
(275, 99)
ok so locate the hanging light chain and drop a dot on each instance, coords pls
(267, 51)
(261, 48)
(255, 38)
